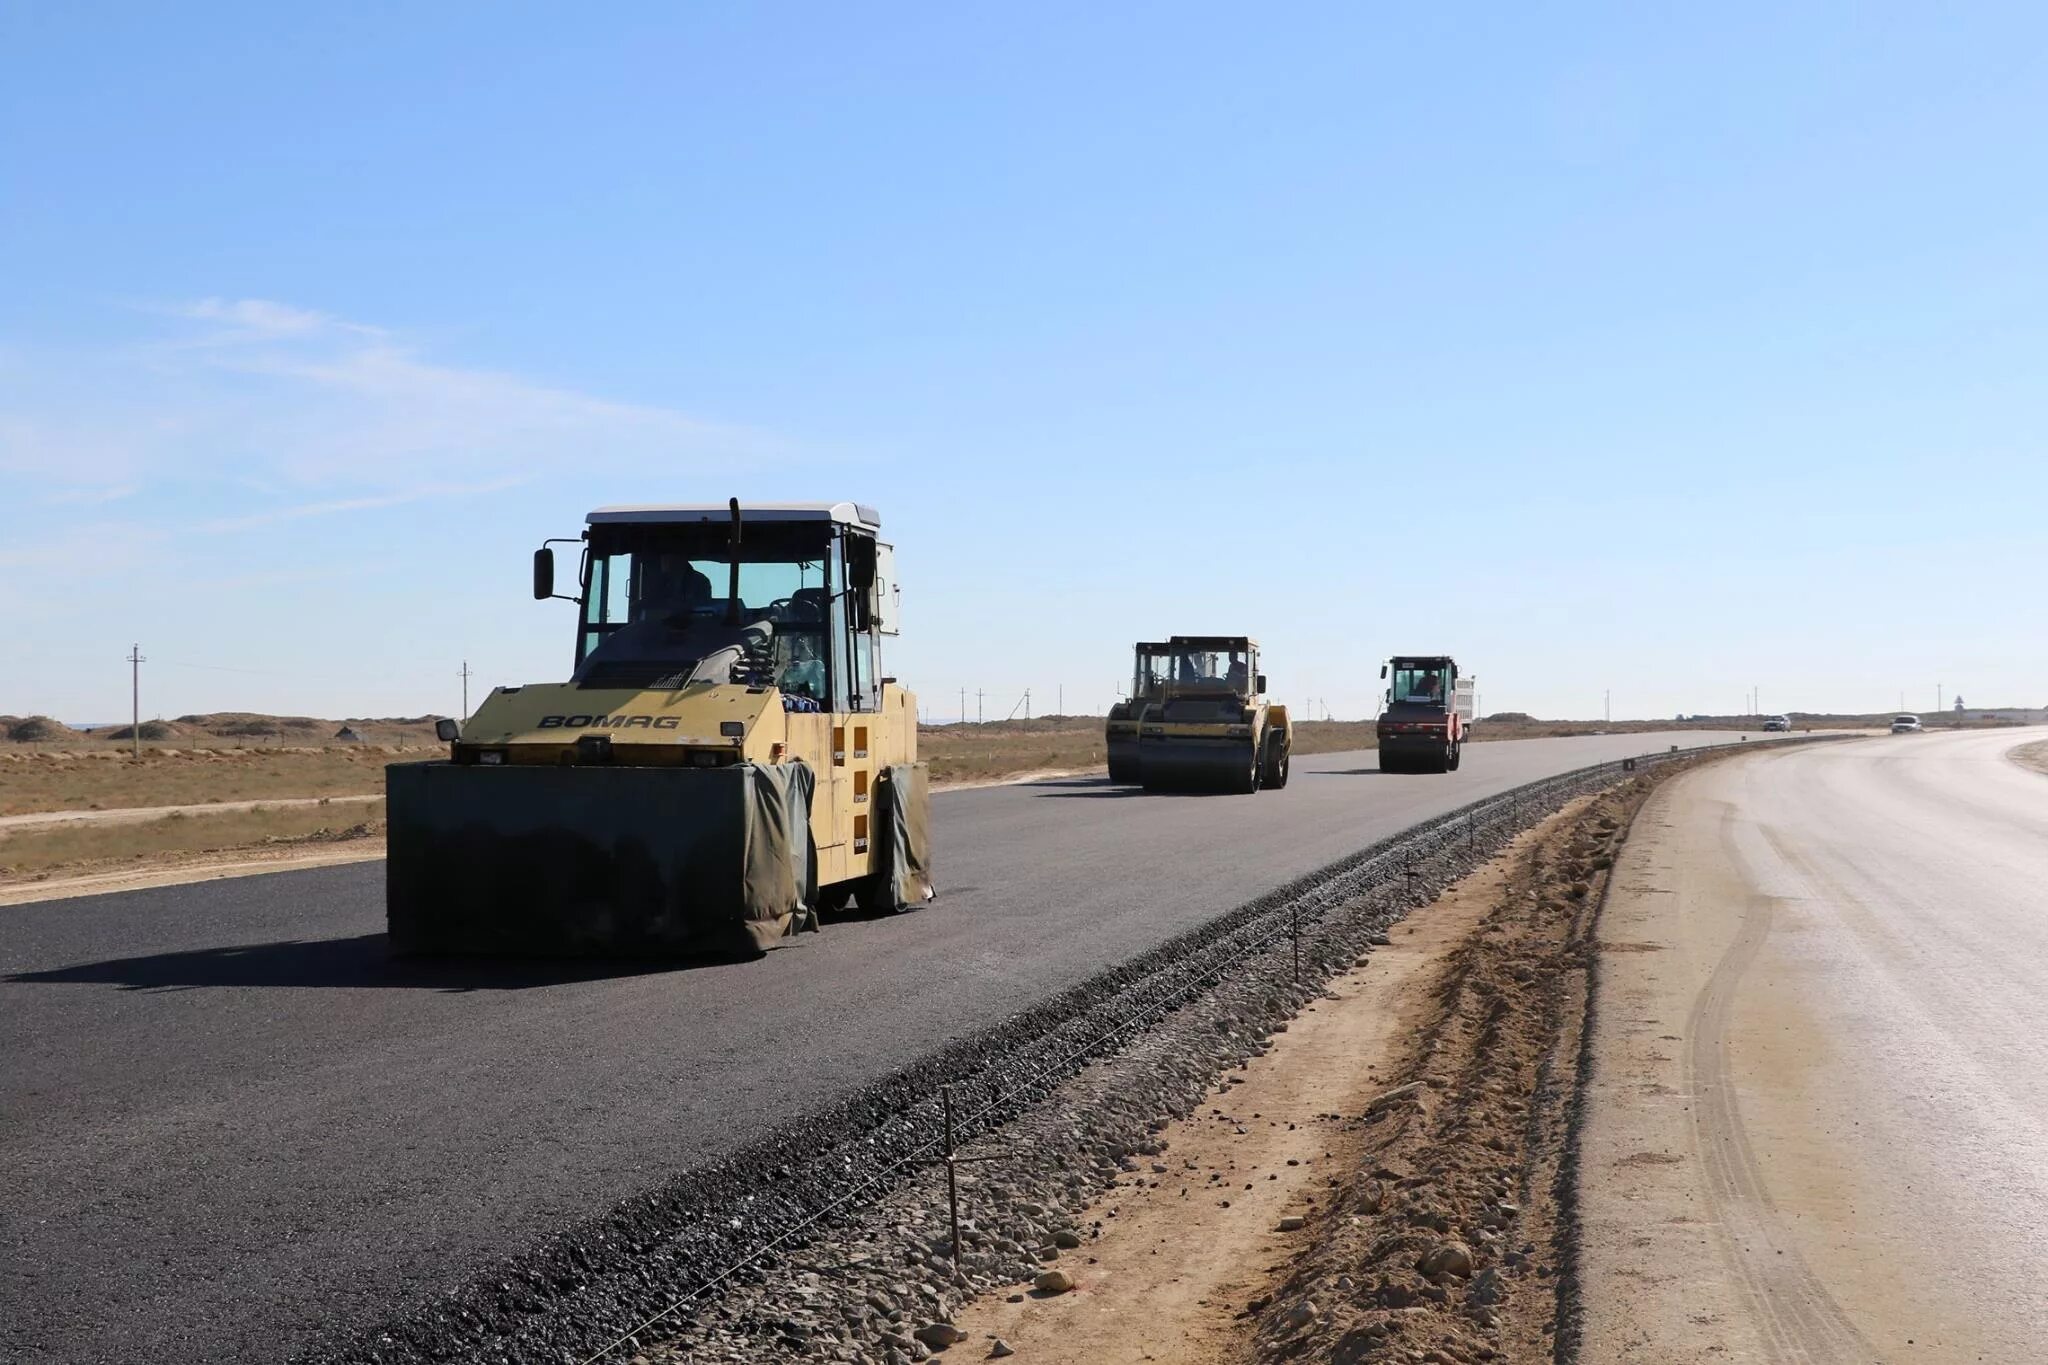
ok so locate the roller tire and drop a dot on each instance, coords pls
(1391, 763)
(1457, 757)
(872, 896)
(1278, 760)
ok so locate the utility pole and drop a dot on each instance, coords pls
(1607, 705)
(963, 706)
(136, 662)
(977, 706)
(1063, 701)
(1027, 703)
(1937, 698)
(465, 689)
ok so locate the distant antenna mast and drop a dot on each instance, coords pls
(136, 662)
(466, 675)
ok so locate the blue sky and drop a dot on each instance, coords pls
(1660, 353)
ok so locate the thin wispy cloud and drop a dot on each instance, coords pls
(302, 511)
(332, 413)
(91, 497)
(262, 319)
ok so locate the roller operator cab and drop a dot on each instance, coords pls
(1427, 716)
(727, 758)
(1202, 719)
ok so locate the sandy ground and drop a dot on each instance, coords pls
(1186, 1250)
(136, 814)
(1818, 1130)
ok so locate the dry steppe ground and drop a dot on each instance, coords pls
(229, 758)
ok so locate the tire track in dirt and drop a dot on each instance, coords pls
(1801, 1320)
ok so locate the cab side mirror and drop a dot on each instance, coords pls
(860, 563)
(543, 574)
(1383, 670)
(1262, 684)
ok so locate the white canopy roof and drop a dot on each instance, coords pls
(851, 513)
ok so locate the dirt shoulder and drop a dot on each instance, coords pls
(51, 857)
(1383, 1183)
(182, 871)
(2033, 756)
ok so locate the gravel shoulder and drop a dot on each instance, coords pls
(1180, 1248)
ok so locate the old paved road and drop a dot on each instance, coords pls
(1819, 1128)
(227, 1122)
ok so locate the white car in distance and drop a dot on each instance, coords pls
(1905, 725)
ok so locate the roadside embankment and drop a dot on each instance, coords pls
(1389, 1176)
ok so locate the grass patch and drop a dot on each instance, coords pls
(40, 851)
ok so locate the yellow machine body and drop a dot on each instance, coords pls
(709, 726)
(719, 769)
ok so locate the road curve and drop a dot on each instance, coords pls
(228, 1124)
(1821, 1102)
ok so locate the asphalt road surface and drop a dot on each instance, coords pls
(1819, 1131)
(228, 1123)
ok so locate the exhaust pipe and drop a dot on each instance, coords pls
(732, 587)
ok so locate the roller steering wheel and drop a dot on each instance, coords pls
(790, 609)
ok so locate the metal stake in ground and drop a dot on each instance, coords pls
(952, 1177)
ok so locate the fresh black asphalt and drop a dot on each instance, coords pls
(229, 1124)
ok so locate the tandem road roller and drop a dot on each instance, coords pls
(1198, 719)
(1422, 728)
(726, 759)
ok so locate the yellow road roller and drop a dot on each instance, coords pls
(1209, 726)
(726, 760)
